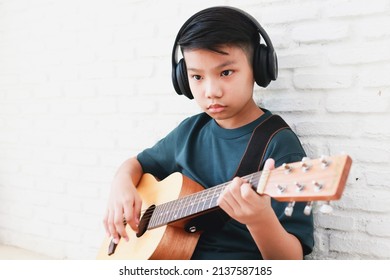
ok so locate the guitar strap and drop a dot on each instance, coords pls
(253, 158)
(252, 161)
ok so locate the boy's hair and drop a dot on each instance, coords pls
(216, 27)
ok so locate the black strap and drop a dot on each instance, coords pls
(253, 158)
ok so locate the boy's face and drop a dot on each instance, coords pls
(222, 84)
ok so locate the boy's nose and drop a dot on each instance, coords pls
(213, 90)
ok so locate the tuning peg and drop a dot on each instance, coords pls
(287, 168)
(304, 164)
(289, 209)
(299, 187)
(326, 208)
(281, 189)
(324, 161)
(308, 208)
(317, 186)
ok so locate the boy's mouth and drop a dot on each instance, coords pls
(216, 108)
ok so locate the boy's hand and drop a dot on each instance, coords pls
(244, 204)
(123, 207)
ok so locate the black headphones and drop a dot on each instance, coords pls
(265, 62)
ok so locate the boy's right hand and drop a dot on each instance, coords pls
(124, 206)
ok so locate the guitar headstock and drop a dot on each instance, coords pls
(309, 180)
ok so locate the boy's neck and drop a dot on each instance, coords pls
(249, 114)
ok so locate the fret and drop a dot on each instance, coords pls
(163, 214)
(213, 197)
(202, 204)
(153, 218)
(183, 203)
(170, 211)
(176, 214)
(193, 204)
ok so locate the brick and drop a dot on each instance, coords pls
(81, 158)
(49, 184)
(368, 201)
(135, 68)
(52, 216)
(102, 105)
(97, 70)
(359, 102)
(364, 53)
(336, 222)
(282, 83)
(299, 60)
(379, 226)
(376, 76)
(65, 107)
(83, 189)
(288, 13)
(115, 87)
(64, 73)
(280, 103)
(377, 178)
(133, 31)
(377, 27)
(320, 32)
(9, 79)
(137, 104)
(363, 245)
(62, 233)
(322, 80)
(355, 8)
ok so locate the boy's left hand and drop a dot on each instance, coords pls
(244, 204)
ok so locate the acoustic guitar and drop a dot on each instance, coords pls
(167, 230)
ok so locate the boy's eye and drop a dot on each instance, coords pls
(226, 73)
(196, 77)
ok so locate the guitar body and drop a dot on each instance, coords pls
(166, 242)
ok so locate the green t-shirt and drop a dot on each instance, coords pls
(210, 155)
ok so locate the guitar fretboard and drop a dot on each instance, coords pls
(192, 204)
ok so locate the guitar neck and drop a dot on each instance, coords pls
(194, 204)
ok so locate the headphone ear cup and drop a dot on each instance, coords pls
(272, 65)
(182, 79)
(260, 66)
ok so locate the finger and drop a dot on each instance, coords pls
(105, 223)
(137, 212)
(230, 197)
(129, 215)
(119, 223)
(247, 193)
(269, 164)
(111, 227)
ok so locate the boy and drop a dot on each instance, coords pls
(222, 58)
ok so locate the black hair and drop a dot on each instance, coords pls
(219, 26)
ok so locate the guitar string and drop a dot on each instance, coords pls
(183, 203)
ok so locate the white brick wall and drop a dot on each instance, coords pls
(86, 84)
